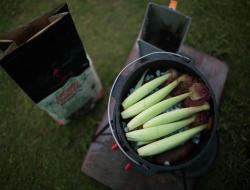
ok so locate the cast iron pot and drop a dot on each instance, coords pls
(126, 79)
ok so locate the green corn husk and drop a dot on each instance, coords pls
(155, 110)
(140, 82)
(158, 131)
(141, 143)
(175, 115)
(149, 101)
(144, 90)
(171, 142)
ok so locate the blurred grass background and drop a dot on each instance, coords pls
(37, 154)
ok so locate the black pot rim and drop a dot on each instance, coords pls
(159, 168)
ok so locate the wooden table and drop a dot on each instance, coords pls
(107, 166)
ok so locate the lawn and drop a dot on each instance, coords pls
(38, 154)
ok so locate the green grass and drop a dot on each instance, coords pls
(37, 154)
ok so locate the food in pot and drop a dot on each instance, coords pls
(175, 115)
(170, 142)
(164, 112)
(157, 132)
(174, 155)
(149, 101)
(154, 110)
(144, 90)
